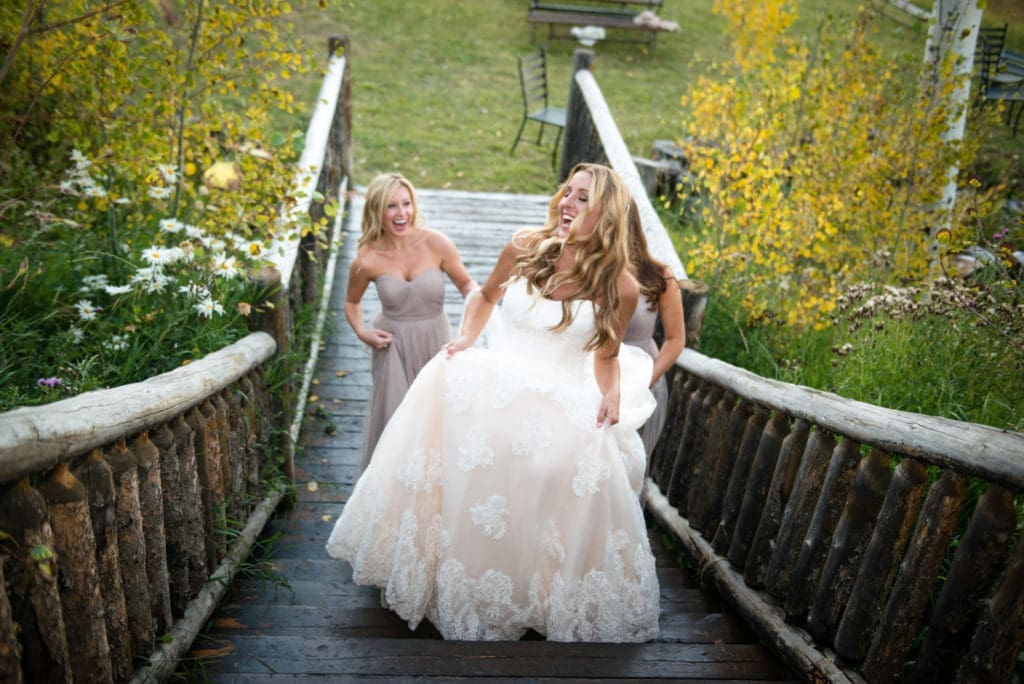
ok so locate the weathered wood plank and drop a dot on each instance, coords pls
(405, 657)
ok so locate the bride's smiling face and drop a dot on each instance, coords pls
(575, 203)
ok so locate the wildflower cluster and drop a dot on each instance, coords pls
(952, 300)
(124, 255)
(948, 348)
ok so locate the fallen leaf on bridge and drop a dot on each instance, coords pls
(212, 652)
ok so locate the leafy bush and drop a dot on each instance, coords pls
(142, 182)
(811, 213)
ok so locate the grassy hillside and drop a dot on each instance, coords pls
(436, 92)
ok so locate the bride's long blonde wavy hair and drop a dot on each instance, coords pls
(378, 194)
(600, 259)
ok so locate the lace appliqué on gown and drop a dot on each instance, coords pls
(494, 504)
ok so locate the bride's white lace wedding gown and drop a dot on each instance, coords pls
(493, 504)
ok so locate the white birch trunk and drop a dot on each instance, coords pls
(953, 33)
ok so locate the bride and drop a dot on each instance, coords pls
(503, 494)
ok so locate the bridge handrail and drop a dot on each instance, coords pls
(846, 534)
(980, 450)
(126, 511)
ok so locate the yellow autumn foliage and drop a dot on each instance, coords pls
(817, 163)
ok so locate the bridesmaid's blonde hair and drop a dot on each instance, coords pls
(379, 192)
(600, 260)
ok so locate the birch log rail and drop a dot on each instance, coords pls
(117, 506)
(828, 522)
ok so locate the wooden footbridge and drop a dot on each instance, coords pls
(177, 526)
(323, 624)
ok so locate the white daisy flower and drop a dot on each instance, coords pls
(81, 162)
(115, 290)
(117, 343)
(76, 334)
(174, 255)
(195, 290)
(225, 266)
(157, 192)
(170, 225)
(68, 187)
(93, 190)
(208, 307)
(149, 280)
(122, 200)
(93, 282)
(157, 256)
(169, 172)
(195, 232)
(86, 310)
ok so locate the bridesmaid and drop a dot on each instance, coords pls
(406, 262)
(659, 299)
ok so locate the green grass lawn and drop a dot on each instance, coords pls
(435, 91)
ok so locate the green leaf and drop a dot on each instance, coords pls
(41, 552)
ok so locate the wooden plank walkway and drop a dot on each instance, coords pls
(317, 623)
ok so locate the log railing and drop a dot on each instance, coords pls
(125, 512)
(861, 543)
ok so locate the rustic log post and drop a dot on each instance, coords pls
(203, 440)
(131, 547)
(175, 530)
(732, 499)
(708, 503)
(213, 456)
(239, 453)
(672, 409)
(717, 409)
(800, 507)
(258, 437)
(79, 583)
(841, 471)
(881, 560)
(227, 454)
(271, 313)
(668, 445)
(695, 301)
(979, 559)
(749, 516)
(849, 543)
(97, 478)
(249, 434)
(999, 637)
(10, 649)
(579, 128)
(151, 505)
(684, 450)
(775, 503)
(34, 596)
(310, 253)
(918, 571)
(188, 474)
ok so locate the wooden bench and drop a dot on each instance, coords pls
(613, 14)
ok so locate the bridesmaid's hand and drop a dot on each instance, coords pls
(460, 343)
(378, 339)
(608, 413)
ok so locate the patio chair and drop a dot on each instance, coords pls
(533, 80)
